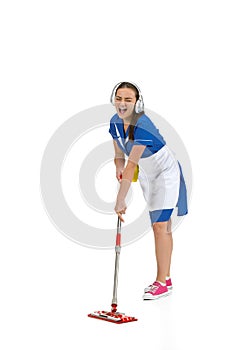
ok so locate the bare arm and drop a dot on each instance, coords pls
(119, 160)
(133, 160)
(127, 177)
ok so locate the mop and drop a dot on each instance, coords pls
(113, 315)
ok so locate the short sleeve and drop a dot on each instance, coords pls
(112, 131)
(146, 134)
(142, 137)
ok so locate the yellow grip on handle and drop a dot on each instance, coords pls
(135, 176)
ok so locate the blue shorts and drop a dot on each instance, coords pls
(160, 215)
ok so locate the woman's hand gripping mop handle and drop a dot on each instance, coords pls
(117, 250)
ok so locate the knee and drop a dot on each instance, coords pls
(159, 228)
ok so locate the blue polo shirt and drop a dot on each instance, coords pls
(145, 133)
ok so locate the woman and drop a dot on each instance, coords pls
(160, 176)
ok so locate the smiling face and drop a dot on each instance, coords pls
(125, 100)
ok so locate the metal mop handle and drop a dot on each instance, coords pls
(117, 250)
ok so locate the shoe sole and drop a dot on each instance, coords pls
(148, 289)
(149, 296)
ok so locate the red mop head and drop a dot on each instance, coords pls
(115, 317)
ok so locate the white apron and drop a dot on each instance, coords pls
(159, 177)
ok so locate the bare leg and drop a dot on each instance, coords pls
(169, 230)
(163, 249)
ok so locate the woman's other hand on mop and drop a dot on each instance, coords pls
(119, 174)
(120, 208)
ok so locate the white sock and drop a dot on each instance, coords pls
(168, 278)
(162, 284)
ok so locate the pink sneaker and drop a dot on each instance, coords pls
(168, 284)
(156, 291)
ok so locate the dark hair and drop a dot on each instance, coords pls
(135, 115)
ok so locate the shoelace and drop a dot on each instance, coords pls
(154, 287)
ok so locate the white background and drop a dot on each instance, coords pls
(59, 58)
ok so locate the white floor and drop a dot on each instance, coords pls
(48, 290)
